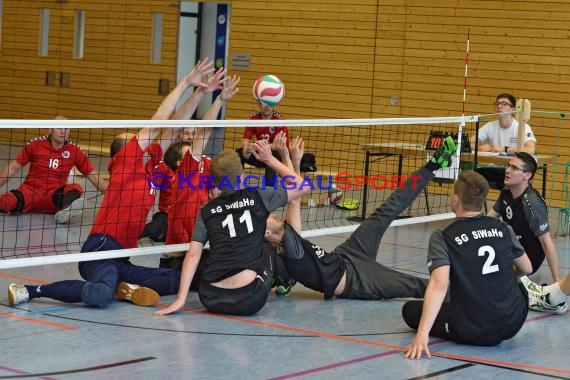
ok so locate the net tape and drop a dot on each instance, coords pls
(164, 249)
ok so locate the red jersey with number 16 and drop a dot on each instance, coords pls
(49, 166)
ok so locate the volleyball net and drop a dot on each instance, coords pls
(352, 166)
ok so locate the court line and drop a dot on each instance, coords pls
(79, 370)
(516, 369)
(442, 372)
(21, 278)
(312, 371)
(47, 312)
(14, 370)
(37, 321)
(326, 335)
(344, 363)
(378, 344)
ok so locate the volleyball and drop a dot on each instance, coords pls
(269, 90)
(335, 194)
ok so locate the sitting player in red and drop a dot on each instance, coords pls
(45, 188)
(268, 134)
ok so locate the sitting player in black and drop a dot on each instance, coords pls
(238, 272)
(351, 270)
(474, 256)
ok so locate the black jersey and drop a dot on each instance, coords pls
(528, 216)
(309, 264)
(485, 298)
(234, 224)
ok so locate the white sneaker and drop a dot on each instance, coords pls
(139, 295)
(73, 210)
(539, 302)
(530, 285)
(17, 294)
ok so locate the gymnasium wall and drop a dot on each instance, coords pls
(338, 59)
(113, 80)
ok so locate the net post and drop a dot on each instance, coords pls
(523, 116)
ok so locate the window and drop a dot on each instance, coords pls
(44, 32)
(78, 34)
(156, 41)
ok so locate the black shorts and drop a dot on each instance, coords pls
(246, 300)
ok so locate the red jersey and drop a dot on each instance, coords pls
(190, 193)
(264, 133)
(128, 198)
(165, 195)
(49, 166)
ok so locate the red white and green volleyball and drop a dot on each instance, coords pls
(335, 194)
(269, 90)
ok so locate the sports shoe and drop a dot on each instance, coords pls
(539, 302)
(284, 290)
(443, 154)
(139, 295)
(530, 285)
(74, 209)
(17, 294)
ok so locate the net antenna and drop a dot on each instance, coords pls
(523, 117)
(462, 124)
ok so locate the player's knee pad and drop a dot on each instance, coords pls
(20, 201)
(411, 313)
(66, 194)
(73, 187)
(96, 294)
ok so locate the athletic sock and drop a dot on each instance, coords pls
(34, 290)
(555, 295)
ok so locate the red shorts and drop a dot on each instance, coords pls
(35, 200)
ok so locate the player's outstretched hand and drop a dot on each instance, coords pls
(262, 150)
(280, 144)
(199, 73)
(215, 81)
(418, 346)
(175, 306)
(230, 88)
(297, 149)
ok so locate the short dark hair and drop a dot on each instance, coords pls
(506, 95)
(530, 164)
(120, 141)
(472, 189)
(174, 154)
(117, 145)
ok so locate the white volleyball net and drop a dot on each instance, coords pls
(357, 164)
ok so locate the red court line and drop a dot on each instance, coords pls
(22, 373)
(26, 279)
(332, 366)
(38, 321)
(366, 342)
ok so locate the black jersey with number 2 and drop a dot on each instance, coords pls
(484, 294)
